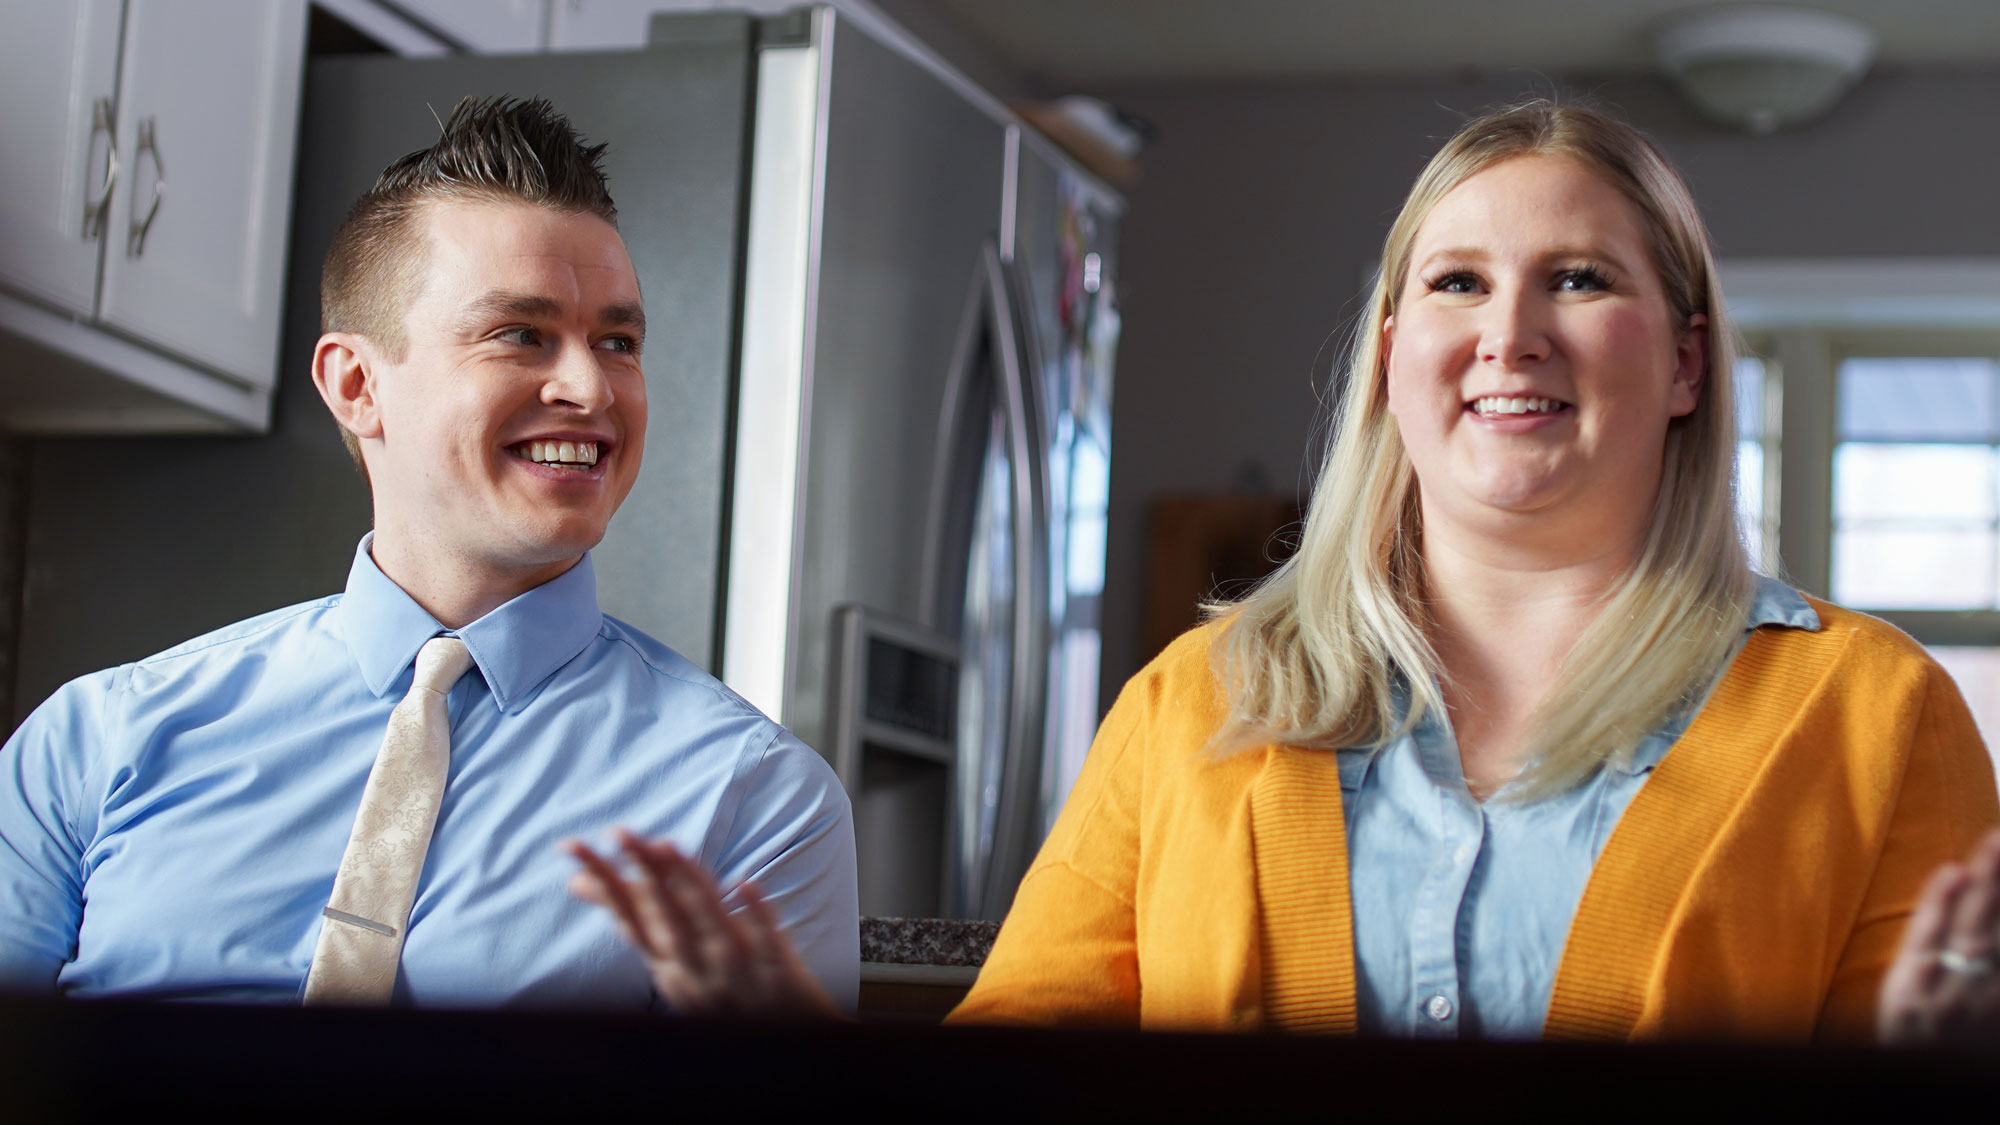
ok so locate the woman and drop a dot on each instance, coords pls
(1419, 782)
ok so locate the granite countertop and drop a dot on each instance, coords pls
(926, 941)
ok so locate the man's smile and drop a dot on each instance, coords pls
(562, 454)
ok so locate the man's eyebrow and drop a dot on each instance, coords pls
(499, 304)
(625, 314)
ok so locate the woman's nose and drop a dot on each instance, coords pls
(1513, 330)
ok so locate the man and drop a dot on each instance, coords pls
(227, 819)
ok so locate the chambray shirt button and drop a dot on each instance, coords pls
(1439, 1008)
(1464, 854)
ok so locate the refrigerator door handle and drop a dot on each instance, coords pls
(948, 519)
(1019, 367)
(947, 530)
(992, 327)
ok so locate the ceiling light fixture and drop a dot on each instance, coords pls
(1760, 67)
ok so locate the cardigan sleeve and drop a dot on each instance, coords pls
(1945, 803)
(1067, 952)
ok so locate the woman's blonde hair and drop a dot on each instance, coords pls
(1311, 657)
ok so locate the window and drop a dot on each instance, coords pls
(1756, 456)
(1869, 450)
(1869, 467)
(1916, 502)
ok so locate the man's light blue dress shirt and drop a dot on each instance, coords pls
(1461, 909)
(170, 829)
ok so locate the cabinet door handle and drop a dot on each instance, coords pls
(96, 210)
(135, 240)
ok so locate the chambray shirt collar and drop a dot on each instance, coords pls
(1773, 603)
(515, 647)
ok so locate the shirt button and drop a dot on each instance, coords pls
(1465, 853)
(1439, 1008)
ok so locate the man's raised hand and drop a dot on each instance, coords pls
(705, 958)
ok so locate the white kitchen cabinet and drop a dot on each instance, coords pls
(58, 71)
(622, 25)
(164, 315)
(485, 26)
(583, 25)
(208, 124)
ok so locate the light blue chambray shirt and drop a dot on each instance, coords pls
(169, 829)
(1461, 909)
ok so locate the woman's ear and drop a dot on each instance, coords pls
(343, 371)
(1690, 366)
(1382, 362)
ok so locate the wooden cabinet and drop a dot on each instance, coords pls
(145, 206)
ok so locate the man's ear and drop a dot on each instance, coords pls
(343, 370)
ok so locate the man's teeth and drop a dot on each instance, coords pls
(560, 452)
(1495, 404)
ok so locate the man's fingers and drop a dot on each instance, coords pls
(760, 924)
(704, 956)
(727, 945)
(768, 943)
(586, 886)
(664, 905)
(773, 964)
(684, 992)
(722, 944)
(608, 888)
(797, 988)
(695, 895)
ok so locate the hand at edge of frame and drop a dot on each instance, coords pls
(1943, 990)
(705, 959)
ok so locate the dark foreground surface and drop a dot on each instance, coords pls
(69, 1061)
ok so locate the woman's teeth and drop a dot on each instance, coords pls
(1495, 404)
(559, 452)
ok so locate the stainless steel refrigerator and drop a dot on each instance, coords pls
(883, 319)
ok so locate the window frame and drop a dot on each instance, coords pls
(1802, 319)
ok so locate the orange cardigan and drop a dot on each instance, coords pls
(1756, 886)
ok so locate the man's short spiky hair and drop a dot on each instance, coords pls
(500, 149)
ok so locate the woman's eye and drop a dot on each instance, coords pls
(1454, 283)
(1582, 281)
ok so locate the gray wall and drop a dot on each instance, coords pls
(1264, 204)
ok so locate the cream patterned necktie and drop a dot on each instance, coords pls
(361, 937)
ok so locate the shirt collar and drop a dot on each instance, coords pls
(1771, 603)
(1775, 603)
(515, 647)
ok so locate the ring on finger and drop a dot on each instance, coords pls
(1969, 965)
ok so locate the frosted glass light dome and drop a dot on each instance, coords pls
(1761, 68)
